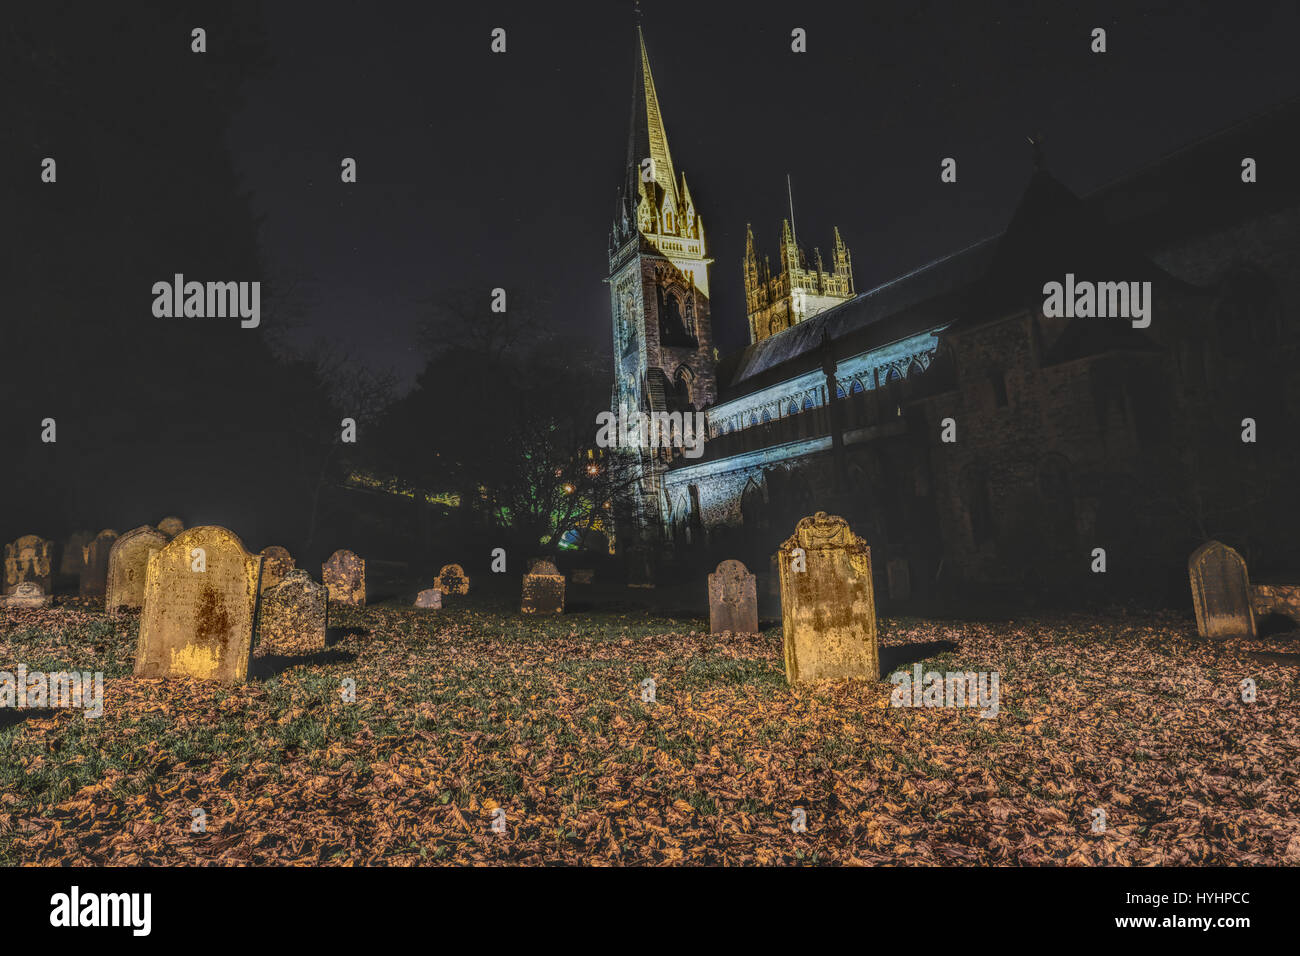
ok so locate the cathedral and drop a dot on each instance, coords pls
(976, 441)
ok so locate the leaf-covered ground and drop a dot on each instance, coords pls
(475, 708)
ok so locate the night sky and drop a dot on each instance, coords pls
(479, 170)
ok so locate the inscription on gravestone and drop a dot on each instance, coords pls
(200, 602)
(30, 558)
(828, 610)
(733, 599)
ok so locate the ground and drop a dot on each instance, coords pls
(473, 708)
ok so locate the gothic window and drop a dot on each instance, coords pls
(672, 328)
(753, 419)
(856, 388)
(892, 375)
(766, 417)
(839, 391)
(915, 368)
(808, 402)
(682, 388)
(793, 409)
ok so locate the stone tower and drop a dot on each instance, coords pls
(659, 291)
(801, 288)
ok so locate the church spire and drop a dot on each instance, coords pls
(652, 194)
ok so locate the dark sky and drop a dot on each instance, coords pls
(479, 170)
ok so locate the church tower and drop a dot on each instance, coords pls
(659, 287)
(801, 288)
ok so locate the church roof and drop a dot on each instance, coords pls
(915, 302)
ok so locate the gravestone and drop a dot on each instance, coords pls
(26, 594)
(200, 603)
(276, 563)
(30, 558)
(94, 574)
(74, 552)
(1283, 599)
(452, 580)
(429, 598)
(583, 575)
(344, 574)
(1221, 594)
(828, 609)
(171, 526)
(292, 618)
(128, 563)
(733, 599)
(543, 590)
(899, 573)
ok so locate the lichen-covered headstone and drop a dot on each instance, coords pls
(733, 599)
(171, 526)
(1221, 592)
(74, 552)
(452, 580)
(899, 574)
(200, 603)
(344, 574)
(26, 594)
(128, 564)
(276, 563)
(94, 574)
(828, 606)
(30, 558)
(292, 618)
(543, 589)
(429, 598)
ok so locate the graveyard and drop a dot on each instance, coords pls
(475, 707)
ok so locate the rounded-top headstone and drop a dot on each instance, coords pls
(344, 574)
(171, 526)
(128, 564)
(30, 558)
(276, 564)
(452, 580)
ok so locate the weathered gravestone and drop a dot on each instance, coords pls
(26, 594)
(1221, 592)
(276, 563)
(543, 589)
(429, 598)
(828, 606)
(452, 580)
(171, 526)
(200, 603)
(733, 599)
(94, 573)
(30, 558)
(128, 564)
(900, 579)
(344, 574)
(74, 552)
(292, 618)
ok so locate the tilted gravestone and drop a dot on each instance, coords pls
(276, 563)
(429, 598)
(1221, 592)
(828, 606)
(344, 574)
(543, 589)
(94, 573)
(26, 594)
(452, 580)
(171, 526)
(293, 616)
(30, 558)
(200, 604)
(128, 563)
(74, 552)
(733, 599)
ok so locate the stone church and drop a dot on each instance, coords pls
(977, 440)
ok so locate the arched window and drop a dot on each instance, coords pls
(892, 375)
(808, 402)
(839, 391)
(766, 417)
(793, 409)
(856, 388)
(753, 419)
(915, 368)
